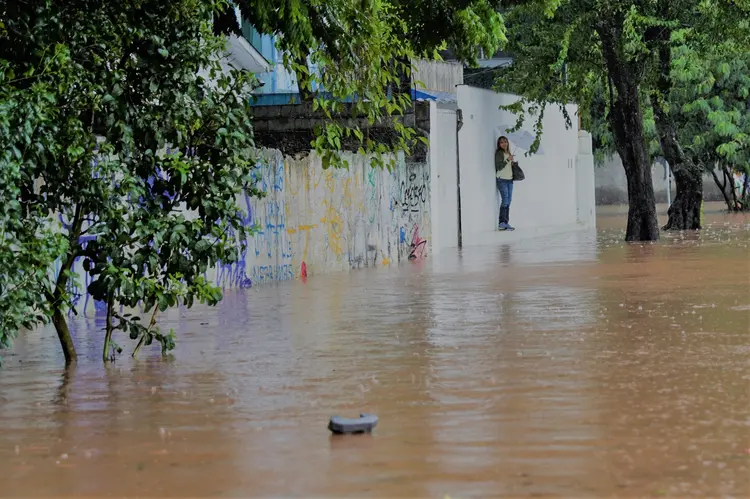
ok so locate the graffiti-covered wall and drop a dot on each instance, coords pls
(314, 221)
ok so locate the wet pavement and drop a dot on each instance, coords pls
(574, 365)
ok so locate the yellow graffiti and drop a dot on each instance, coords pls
(290, 165)
(330, 181)
(334, 226)
(306, 229)
(348, 193)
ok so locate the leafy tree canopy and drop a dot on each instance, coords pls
(129, 147)
(363, 49)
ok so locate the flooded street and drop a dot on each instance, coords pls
(573, 365)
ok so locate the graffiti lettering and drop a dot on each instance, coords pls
(264, 273)
(418, 246)
(234, 275)
(413, 194)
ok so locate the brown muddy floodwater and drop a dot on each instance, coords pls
(574, 365)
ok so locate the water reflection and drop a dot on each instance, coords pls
(576, 365)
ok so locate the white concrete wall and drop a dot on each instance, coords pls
(612, 185)
(548, 195)
(444, 184)
(585, 180)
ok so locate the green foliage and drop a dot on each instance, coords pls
(463, 26)
(363, 50)
(558, 59)
(28, 246)
(710, 102)
(142, 146)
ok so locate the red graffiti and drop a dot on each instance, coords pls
(303, 272)
(418, 246)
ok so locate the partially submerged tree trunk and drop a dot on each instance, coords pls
(728, 189)
(63, 334)
(108, 332)
(722, 188)
(626, 121)
(59, 306)
(685, 210)
(59, 298)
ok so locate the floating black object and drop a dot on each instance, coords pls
(364, 424)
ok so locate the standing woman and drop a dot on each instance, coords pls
(504, 181)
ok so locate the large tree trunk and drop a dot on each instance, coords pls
(626, 122)
(685, 211)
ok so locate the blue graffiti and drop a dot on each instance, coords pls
(269, 239)
(269, 231)
(248, 219)
(282, 272)
(272, 177)
(234, 274)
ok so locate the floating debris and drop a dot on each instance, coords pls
(364, 424)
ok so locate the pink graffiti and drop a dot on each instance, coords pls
(418, 246)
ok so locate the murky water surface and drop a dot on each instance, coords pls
(571, 366)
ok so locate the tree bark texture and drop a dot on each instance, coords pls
(727, 188)
(63, 334)
(626, 121)
(685, 211)
(722, 188)
(58, 295)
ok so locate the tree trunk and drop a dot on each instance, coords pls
(685, 211)
(722, 189)
(626, 122)
(66, 340)
(108, 332)
(58, 295)
(643, 224)
(736, 205)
